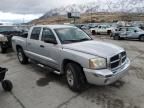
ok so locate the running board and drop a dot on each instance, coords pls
(49, 68)
(46, 67)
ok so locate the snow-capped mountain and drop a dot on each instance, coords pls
(127, 6)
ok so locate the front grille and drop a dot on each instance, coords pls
(117, 60)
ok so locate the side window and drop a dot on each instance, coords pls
(47, 34)
(131, 29)
(122, 29)
(35, 33)
(99, 27)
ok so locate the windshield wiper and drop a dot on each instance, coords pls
(70, 41)
(84, 39)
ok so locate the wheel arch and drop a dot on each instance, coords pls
(141, 35)
(18, 46)
(66, 61)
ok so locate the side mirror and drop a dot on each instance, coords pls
(50, 40)
(24, 35)
(135, 30)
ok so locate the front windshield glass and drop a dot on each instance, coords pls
(69, 35)
(138, 29)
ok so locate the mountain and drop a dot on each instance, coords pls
(125, 6)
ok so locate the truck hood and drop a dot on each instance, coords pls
(95, 48)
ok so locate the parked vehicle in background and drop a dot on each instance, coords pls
(85, 27)
(102, 29)
(6, 33)
(79, 25)
(93, 25)
(70, 51)
(128, 33)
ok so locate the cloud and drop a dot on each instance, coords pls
(35, 6)
(18, 18)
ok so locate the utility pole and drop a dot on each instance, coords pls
(23, 20)
(91, 15)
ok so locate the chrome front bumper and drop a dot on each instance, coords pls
(106, 76)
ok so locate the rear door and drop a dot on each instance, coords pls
(122, 32)
(33, 43)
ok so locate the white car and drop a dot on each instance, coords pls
(102, 29)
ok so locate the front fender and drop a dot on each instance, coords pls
(76, 56)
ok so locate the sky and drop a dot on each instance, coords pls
(26, 10)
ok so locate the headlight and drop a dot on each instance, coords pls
(97, 63)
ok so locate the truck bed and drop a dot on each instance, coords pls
(19, 40)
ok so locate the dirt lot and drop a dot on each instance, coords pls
(35, 87)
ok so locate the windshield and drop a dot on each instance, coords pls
(69, 35)
(138, 29)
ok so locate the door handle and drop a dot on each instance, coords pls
(42, 46)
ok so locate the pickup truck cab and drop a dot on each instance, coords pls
(70, 51)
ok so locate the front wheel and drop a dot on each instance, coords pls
(142, 38)
(75, 77)
(7, 85)
(21, 56)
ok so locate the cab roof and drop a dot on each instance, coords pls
(55, 26)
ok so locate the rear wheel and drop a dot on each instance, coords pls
(93, 32)
(142, 38)
(109, 32)
(7, 85)
(116, 37)
(75, 77)
(21, 56)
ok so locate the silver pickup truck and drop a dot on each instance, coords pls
(70, 51)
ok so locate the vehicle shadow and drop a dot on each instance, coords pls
(48, 76)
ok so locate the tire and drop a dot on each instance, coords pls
(21, 56)
(7, 85)
(109, 32)
(75, 77)
(2, 50)
(116, 37)
(141, 38)
(93, 32)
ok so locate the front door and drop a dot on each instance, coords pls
(50, 52)
(132, 33)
